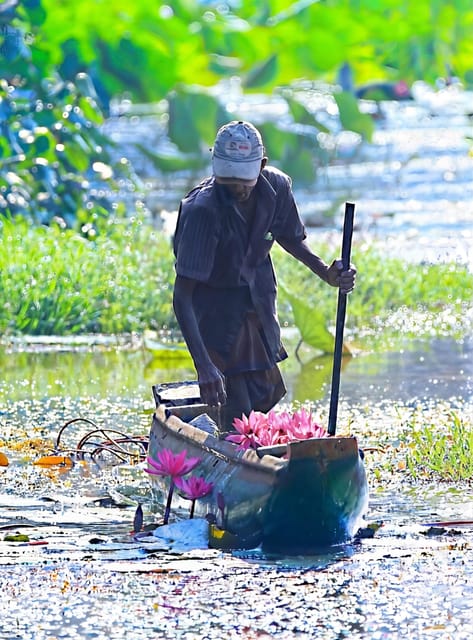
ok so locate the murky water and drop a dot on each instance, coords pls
(80, 574)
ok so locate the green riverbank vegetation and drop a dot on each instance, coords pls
(58, 282)
(419, 443)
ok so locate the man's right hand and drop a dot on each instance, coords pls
(212, 386)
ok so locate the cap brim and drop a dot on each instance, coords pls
(236, 172)
(246, 183)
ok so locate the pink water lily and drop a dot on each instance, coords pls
(303, 426)
(259, 429)
(248, 429)
(174, 465)
(193, 488)
(171, 464)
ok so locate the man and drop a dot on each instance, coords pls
(225, 288)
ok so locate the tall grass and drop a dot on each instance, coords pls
(392, 294)
(58, 282)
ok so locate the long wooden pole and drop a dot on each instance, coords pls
(340, 322)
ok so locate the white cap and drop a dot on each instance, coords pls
(237, 153)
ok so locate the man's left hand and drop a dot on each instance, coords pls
(336, 277)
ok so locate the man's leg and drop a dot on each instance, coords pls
(251, 391)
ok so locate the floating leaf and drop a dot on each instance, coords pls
(52, 461)
(16, 537)
(3, 460)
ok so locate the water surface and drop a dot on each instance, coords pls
(90, 579)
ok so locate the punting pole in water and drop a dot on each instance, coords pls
(340, 323)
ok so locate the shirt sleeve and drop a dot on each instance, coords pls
(195, 241)
(287, 223)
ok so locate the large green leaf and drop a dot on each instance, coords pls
(351, 116)
(167, 162)
(302, 115)
(182, 127)
(300, 165)
(262, 74)
(194, 116)
(311, 323)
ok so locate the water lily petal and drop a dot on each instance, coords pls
(171, 464)
(194, 487)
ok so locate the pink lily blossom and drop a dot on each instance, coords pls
(170, 464)
(193, 488)
(304, 427)
(259, 429)
(173, 465)
(248, 429)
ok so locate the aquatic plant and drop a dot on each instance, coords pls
(248, 427)
(193, 488)
(269, 429)
(421, 302)
(174, 466)
(55, 282)
(57, 164)
(441, 449)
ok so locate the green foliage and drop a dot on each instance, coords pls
(54, 160)
(409, 284)
(56, 282)
(409, 299)
(351, 117)
(311, 322)
(262, 74)
(300, 113)
(147, 49)
(194, 116)
(441, 449)
(157, 51)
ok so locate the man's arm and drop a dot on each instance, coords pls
(211, 380)
(333, 274)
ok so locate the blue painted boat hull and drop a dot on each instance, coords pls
(291, 499)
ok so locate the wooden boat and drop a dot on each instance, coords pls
(297, 497)
(291, 498)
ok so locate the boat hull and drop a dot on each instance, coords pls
(311, 494)
(320, 497)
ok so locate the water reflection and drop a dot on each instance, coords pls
(101, 373)
(422, 371)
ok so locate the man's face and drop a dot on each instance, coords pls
(239, 191)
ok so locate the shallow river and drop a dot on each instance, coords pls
(79, 573)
